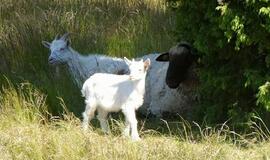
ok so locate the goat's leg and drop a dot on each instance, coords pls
(102, 117)
(88, 115)
(131, 118)
(126, 131)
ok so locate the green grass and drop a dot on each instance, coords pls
(40, 113)
(29, 131)
(119, 28)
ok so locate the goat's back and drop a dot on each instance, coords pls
(111, 91)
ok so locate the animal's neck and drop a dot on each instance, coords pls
(140, 84)
(77, 67)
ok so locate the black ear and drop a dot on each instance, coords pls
(163, 57)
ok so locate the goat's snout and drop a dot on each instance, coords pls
(51, 60)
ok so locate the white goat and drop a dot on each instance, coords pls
(82, 67)
(112, 93)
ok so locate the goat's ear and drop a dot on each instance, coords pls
(147, 63)
(127, 60)
(57, 37)
(46, 44)
(163, 57)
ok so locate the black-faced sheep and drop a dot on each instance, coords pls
(180, 58)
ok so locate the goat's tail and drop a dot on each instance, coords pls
(87, 88)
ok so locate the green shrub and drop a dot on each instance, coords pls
(233, 39)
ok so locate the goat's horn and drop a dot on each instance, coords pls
(65, 36)
(57, 37)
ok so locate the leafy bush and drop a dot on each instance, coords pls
(233, 39)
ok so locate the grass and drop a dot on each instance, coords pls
(39, 120)
(29, 131)
(119, 28)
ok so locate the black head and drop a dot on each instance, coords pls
(180, 58)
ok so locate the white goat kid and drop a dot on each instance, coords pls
(80, 66)
(112, 93)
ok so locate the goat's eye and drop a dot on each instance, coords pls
(61, 49)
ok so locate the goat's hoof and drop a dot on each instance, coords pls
(85, 129)
(136, 139)
(107, 132)
(125, 134)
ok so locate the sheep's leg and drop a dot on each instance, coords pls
(88, 115)
(102, 117)
(131, 118)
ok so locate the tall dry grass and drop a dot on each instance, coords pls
(29, 131)
(119, 28)
(29, 127)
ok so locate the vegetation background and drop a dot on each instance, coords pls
(40, 106)
(113, 27)
(233, 40)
